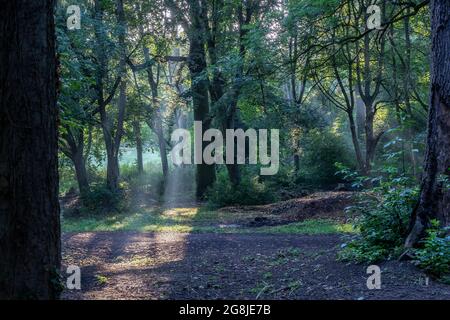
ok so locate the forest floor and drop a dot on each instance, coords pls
(261, 252)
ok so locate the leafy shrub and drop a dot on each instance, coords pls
(320, 152)
(151, 181)
(434, 256)
(383, 221)
(99, 199)
(250, 192)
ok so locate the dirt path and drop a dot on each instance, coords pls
(132, 265)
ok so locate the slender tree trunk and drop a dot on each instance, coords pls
(156, 124)
(112, 140)
(355, 141)
(162, 149)
(73, 147)
(370, 138)
(30, 250)
(112, 170)
(407, 88)
(296, 161)
(139, 148)
(434, 201)
(81, 172)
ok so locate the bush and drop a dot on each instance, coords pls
(320, 152)
(434, 256)
(383, 221)
(99, 200)
(151, 181)
(250, 191)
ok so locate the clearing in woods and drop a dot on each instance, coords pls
(279, 251)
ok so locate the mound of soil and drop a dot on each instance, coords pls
(322, 205)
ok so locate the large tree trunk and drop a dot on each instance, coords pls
(434, 202)
(29, 210)
(112, 171)
(206, 174)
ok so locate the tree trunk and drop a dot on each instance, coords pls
(80, 171)
(370, 139)
(296, 161)
(355, 141)
(206, 174)
(113, 143)
(234, 172)
(139, 148)
(73, 147)
(162, 149)
(112, 171)
(30, 250)
(112, 140)
(156, 124)
(407, 86)
(434, 201)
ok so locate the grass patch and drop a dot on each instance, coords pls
(192, 220)
(312, 226)
(101, 280)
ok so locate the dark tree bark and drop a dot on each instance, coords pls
(434, 202)
(206, 174)
(81, 172)
(72, 145)
(139, 148)
(29, 210)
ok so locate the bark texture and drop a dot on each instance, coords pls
(29, 210)
(434, 202)
(205, 174)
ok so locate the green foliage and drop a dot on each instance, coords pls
(249, 192)
(100, 200)
(150, 181)
(67, 180)
(383, 223)
(320, 152)
(434, 256)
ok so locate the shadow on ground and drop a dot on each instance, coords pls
(139, 265)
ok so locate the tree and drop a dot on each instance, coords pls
(199, 87)
(112, 136)
(153, 69)
(434, 201)
(73, 146)
(29, 210)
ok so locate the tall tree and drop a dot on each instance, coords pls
(434, 200)
(29, 211)
(112, 136)
(199, 86)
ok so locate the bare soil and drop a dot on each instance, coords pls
(133, 265)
